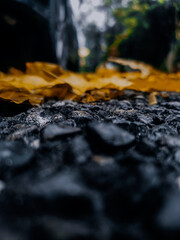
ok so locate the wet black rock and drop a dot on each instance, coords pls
(122, 123)
(158, 131)
(78, 151)
(146, 147)
(54, 228)
(139, 129)
(177, 156)
(171, 141)
(62, 195)
(132, 157)
(14, 155)
(168, 218)
(82, 116)
(53, 131)
(146, 119)
(126, 105)
(172, 105)
(133, 194)
(109, 136)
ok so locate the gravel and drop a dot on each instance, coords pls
(106, 170)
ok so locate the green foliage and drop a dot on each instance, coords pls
(142, 30)
(131, 16)
(137, 33)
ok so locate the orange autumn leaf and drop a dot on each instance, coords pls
(148, 78)
(46, 80)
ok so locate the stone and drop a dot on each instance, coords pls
(61, 194)
(146, 119)
(103, 160)
(79, 151)
(126, 105)
(139, 129)
(171, 141)
(14, 155)
(122, 123)
(163, 129)
(2, 186)
(173, 120)
(125, 199)
(147, 147)
(109, 135)
(132, 157)
(177, 156)
(53, 131)
(19, 134)
(168, 217)
(81, 116)
(36, 117)
(172, 105)
(55, 228)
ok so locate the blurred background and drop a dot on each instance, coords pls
(81, 34)
(144, 30)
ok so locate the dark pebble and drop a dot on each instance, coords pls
(61, 194)
(168, 218)
(81, 116)
(109, 135)
(14, 155)
(172, 105)
(53, 131)
(78, 151)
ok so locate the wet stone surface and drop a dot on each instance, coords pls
(107, 170)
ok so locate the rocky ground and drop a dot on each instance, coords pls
(101, 171)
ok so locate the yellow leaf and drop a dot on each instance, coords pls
(46, 80)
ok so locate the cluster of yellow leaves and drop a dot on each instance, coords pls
(44, 80)
(149, 79)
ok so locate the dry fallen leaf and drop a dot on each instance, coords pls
(144, 68)
(149, 79)
(152, 98)
(45, 80)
